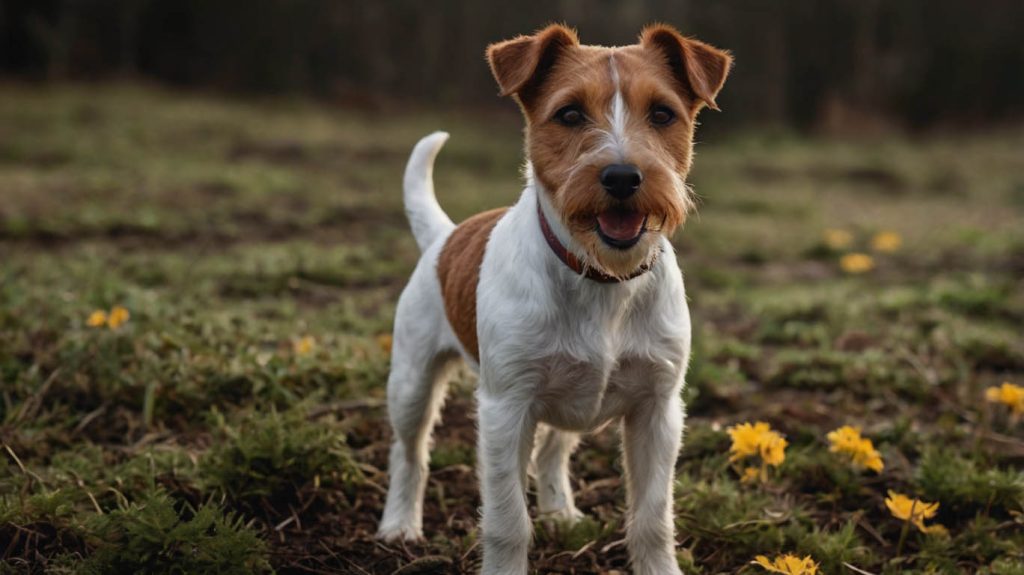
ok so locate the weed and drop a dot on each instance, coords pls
(270, 458)
(156, 535)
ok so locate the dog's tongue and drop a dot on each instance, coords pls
(620, 225)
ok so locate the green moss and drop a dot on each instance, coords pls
(831, 549)
(269, 457)
(990, 347)
(157, 535)
(964, 487)
(864, 372)
(721, 511)
(572, 536)
(442, 456)
(1005, 566)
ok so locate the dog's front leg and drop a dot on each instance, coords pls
(652, 434)
(506, 440)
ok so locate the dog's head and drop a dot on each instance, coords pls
(610, 131)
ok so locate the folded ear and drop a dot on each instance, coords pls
(700, 68)
(520, 63)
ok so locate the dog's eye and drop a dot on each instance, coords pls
(662, 116)
(570, 116)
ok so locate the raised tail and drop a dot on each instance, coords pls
(427, 219)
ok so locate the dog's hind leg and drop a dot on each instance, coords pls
(420, 368)
(551, 469)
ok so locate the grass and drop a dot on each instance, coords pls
(235, 423)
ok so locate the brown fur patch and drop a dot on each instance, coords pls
(700, 68)
(458, 268)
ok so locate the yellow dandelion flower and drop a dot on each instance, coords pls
(384, 341)
(837, 239)
(788, 564)
(1009, 395)
(886, 242)
(913, 511)
(758, 439)
(908, 509)
(304, 345)
(856, 263)
(118, 315)
(746, 439)
(773, 449)
(97, 318)
(862, 453)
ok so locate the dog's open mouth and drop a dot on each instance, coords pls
(621, 229)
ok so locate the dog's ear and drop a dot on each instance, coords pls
(521, 63)
(700, 68)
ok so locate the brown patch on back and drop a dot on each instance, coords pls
(458, 268)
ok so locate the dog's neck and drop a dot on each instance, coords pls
(563, 245)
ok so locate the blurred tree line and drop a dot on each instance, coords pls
(810, 64)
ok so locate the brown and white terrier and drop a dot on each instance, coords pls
(570, 304)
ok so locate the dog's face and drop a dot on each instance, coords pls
(610, 132)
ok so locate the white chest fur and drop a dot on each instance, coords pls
(578, 350)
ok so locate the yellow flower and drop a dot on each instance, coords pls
(304, 345)
(757, 439)
(97, 318)
(862, 452)
(113, 319)
(1009, 395)
(914, 511)
(385, 340)
(886, 242)
(773, 449)
(118, 315)
(746, 439)
(856, 263)
(838, 239)
(788, 564)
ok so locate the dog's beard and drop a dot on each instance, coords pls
(615, 261)
(623, 263)
(664, 213)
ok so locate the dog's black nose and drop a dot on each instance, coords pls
(621, 180)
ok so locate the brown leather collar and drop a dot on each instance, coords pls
(570, 259)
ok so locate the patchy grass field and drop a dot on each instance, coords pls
(232, 421)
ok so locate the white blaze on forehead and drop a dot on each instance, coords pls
(617, 114)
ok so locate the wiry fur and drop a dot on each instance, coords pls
(559, 354)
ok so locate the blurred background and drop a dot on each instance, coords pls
(202, 241)
(843, 65)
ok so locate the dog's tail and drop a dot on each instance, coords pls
(427, 219)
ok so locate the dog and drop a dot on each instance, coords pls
(570, 304)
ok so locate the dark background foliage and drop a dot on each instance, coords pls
(844, 65)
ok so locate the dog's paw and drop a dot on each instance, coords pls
(669, 569)
(561, 521)
(563, 516)
(398, 534)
